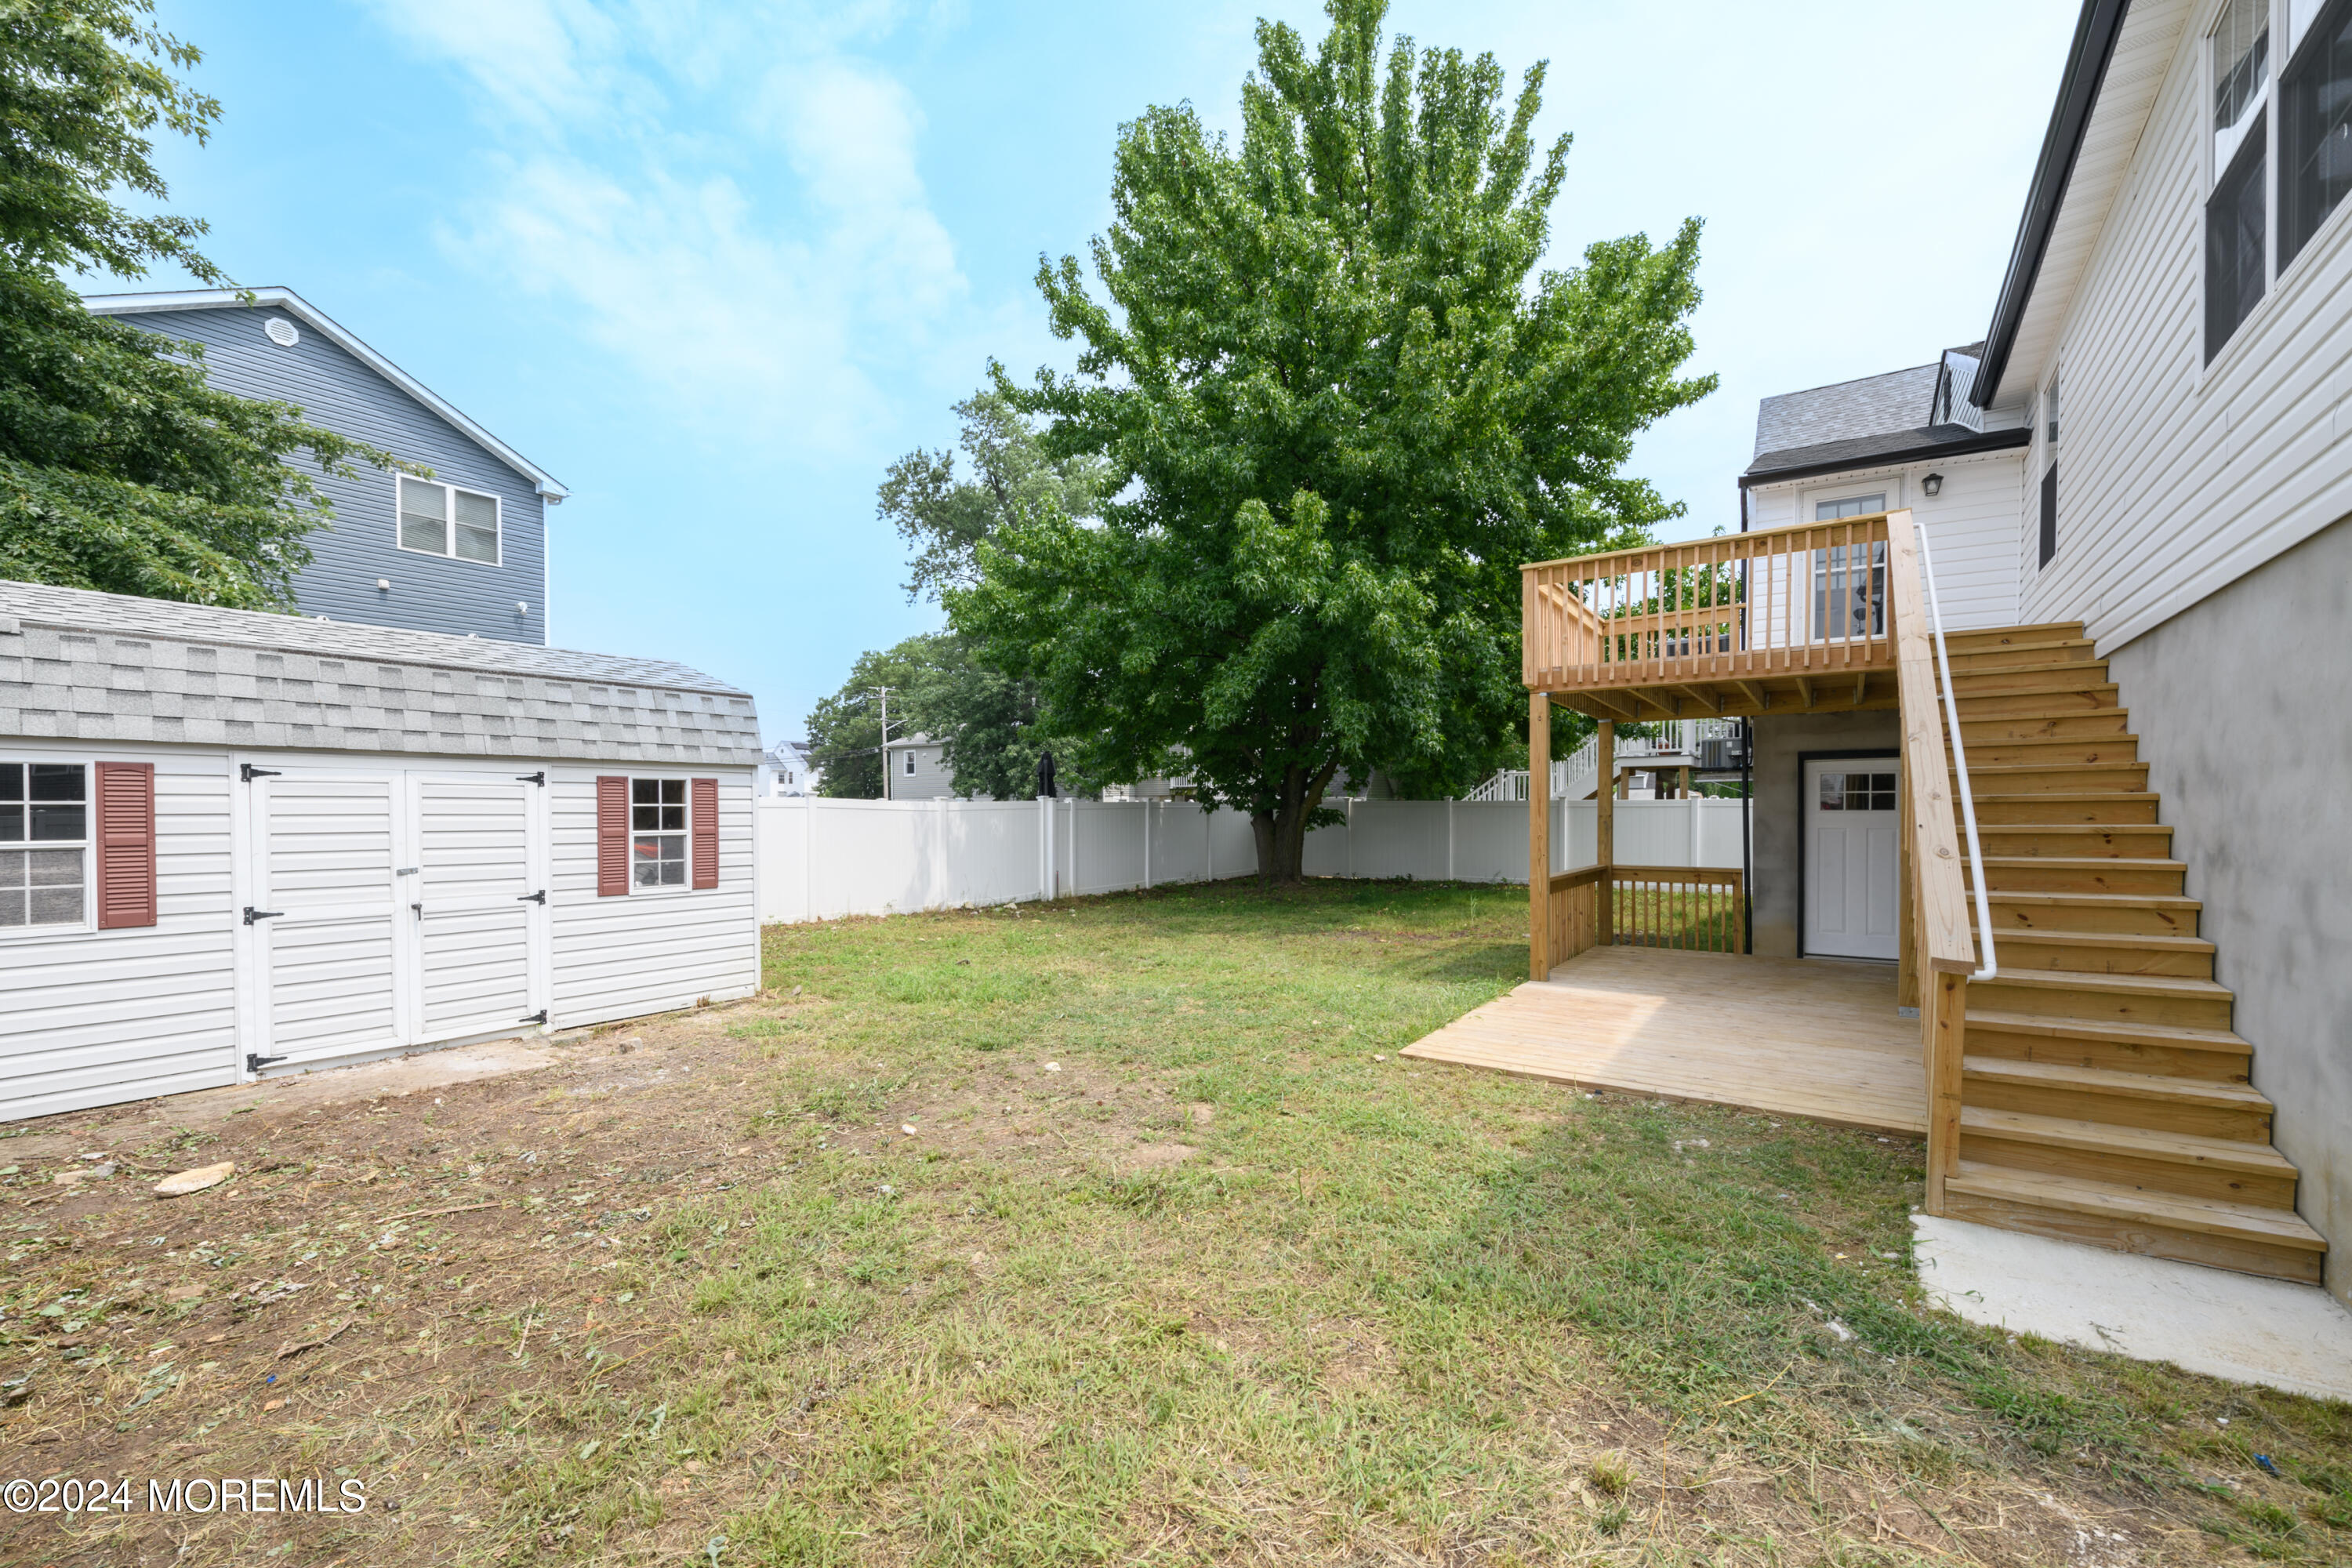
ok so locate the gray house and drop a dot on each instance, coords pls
(463, 553)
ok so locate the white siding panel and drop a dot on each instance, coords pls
(94, 1017)
(649, 952)
(2176, 478)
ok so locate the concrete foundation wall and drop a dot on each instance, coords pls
(1780, 739)
(2239, 705)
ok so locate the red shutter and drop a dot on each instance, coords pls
(126, 845)
(612, 836)
(704, 818)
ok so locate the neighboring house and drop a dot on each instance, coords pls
(464, 553)
(917, 769)
(785, 769)
(2134, 1029)
(234, 844)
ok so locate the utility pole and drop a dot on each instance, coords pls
(884, 692)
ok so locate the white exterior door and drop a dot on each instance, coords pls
(1851, 857)
(479, 894)
(391, 908)
(327, 958)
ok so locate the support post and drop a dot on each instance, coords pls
(1604, 831)
(1943, 1016)
(1906, 962)
(1539, 835)
(1683, 790)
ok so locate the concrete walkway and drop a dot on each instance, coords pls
(2235, 1326)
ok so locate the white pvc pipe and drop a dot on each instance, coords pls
(1960, 759)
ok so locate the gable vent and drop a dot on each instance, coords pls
(282, 332)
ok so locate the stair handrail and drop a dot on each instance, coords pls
(1990, 969)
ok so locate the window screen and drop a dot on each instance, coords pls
(2233, 245)
(2315, 130)
(424, 517)
(43, 842)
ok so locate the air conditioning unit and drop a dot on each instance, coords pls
(1721, 754)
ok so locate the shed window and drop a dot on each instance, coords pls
(2315, 130)
(657, 826)
(443, 520)
(44, 844)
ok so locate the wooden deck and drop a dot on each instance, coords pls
(1816, 1037)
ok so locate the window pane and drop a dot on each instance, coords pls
(673, 819)
(478, 544)
(55, 906)
(645, 791)
(2316, 131)
(12, 803)
(1832, 792)
(13, 908)
(424, 517)
(2241, 47)
(476, 510)
(644, 817)
(2233, 246)
(673, 792)
(477, 527)
(58, 813)
(52, 868)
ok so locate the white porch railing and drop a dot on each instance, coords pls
(1675, 743)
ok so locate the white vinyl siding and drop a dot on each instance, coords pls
(151, 1007)
(2180, 480)
(618, 958)
(475, 875)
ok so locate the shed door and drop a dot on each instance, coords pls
(475, 906)
(1851, 864)
(327, 920)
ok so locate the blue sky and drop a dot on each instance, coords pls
(715, 265)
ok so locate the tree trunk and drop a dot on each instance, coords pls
(1281, 833)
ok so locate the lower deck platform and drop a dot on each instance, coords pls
(1814, 1038)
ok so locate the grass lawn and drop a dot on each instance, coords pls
(1113, 1231)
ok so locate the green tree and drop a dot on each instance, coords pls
(845, 729)
(986, 722)
(943, 517)
(1339, 407)
(121, 468)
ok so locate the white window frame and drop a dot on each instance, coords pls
(683, 835)
(910, 761)
(87, 845)
(449, 520)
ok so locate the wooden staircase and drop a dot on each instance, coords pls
(2104, 1097)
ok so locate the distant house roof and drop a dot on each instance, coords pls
(294, 305)
(110, 667)
(1870, 422)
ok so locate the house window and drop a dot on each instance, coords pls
(1857, 792)
(2315, 130)
(443, 520)
(910, 764)
(2241, 51)
(2049, 541)
(1852, 506)
(44, 844)
(2234, 223)
(657, 833)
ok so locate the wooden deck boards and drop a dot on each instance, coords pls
(1812, 1038)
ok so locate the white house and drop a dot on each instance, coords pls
(787, 770)
(234, 844)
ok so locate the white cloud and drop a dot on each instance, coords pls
(728, 199)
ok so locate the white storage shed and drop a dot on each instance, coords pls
(234, 844)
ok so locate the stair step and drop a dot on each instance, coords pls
(2077, 873)
(2122, 747)
(2216, 1055)
(2044, 725)
(2062, 697)
(2071, 841)
(2244, 1236)
(2002, 656)
(2059, 674)
(2105, 952)
(2155, 1101)
(2003, 636)
(2056, 778)
(2150, 914)
(2176, 1164)
(2096, 806)
(2127, 998)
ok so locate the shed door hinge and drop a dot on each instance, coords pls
(538, 898)
(252, 914)
(255, 1061)
(537, 1017)
(249, 772)
(540, 779)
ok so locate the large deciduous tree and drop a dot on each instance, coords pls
(121, 468)
(1339, 406)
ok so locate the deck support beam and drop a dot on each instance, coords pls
(1539, 834)
(1605, 821)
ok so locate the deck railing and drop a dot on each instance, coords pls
(1807, 600)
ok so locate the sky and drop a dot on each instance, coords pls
(715, 265)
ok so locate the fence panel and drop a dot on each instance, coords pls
(1490, 841)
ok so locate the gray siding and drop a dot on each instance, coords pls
(428, 593)
(1777, 826)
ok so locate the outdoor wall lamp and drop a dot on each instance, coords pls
(1933, 485)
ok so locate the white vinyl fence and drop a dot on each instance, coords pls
(821, 860)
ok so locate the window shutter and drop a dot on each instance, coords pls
(125, 845)
(704, 815)
(612, 836)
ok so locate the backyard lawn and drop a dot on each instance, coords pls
(1113, 1231)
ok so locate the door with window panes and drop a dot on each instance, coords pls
(1851, 857)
